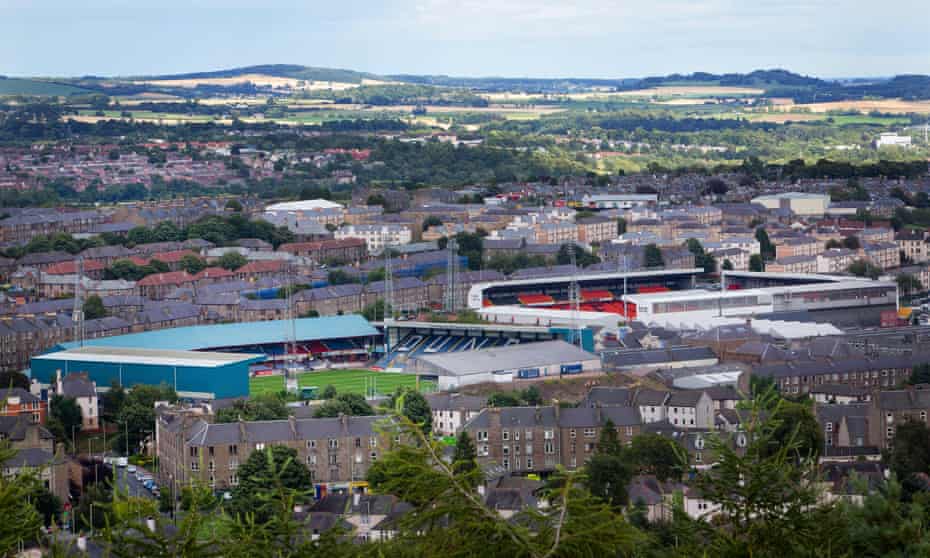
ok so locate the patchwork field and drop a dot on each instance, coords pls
(897, 106)
(345, 381)
(261, 80)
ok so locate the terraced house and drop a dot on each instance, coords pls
(337, 451)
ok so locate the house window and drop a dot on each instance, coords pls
(234, 480)
(889, 432)
(629, 430)
(589, 432)
(372, 442)
(889, 417)
(698, 458)
(548, 434)
(311, 444)
(358, 442)
(506, 463)
(506, 450)
(233, 464)
(588, 447)
(374, 456)
(332, 459)
(549, 447)
(829, 427)
(529, 435)
(529, 462)
(923, 416)
(233, 450)
(483, 450)
(311, 460)
(505, 435)
(194, 451)
(333, 443)
(482, 436)
(572, 433)
(260, 446)
(212, 481)
(210, 451)
(516, 435)
(195, 466)
(212, 466)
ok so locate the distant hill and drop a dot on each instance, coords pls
(278, 70)
(774, 83)
(37, 87)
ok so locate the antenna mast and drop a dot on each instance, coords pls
(574, 295)
(77, 315)
(388, 286)
(452, 272)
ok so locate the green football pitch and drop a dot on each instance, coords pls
(345, 381)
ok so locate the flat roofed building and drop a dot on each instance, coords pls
(189, 372)
(505, 364)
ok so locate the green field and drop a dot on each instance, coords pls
(19, 86)
(345, 381)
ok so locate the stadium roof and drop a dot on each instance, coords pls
(303, 205)
(124, 355)
(202, 337)
(526, 355)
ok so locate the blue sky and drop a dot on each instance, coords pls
(540, 38)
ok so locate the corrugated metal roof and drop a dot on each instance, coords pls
(203, 337)
(125, 355)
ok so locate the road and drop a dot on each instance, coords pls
(127, 481)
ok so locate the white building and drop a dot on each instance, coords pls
(799, 203)
(505, 364)
(377, 237)
(84, 392)
(892, 139)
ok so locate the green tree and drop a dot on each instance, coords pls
(64, 417)
(865, 268)
(21, 522)
(464, 458)
(531, 396)
(756, 263)
(232, 260)
(908, 283)
(501, 399)
(94, 308)
(376, 311)
(621, 226)
(910, 452)
(764, 488)
(727, 265)
(12, 379)
(702, 259)
(234, 205)
(112, 402)
(414, 406)
(765, 245)
(329, 392)
(653, 454)
(352, 404)
(431, 221)
(137, 415)
(449, 517)
(920, 374)
(258, 474)
(339, 277)
(193, 264)
(652, 256)
(259, 407)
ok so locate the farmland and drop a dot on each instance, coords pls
(17, 86)
(345, 381)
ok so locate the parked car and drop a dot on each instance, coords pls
(122, 462)
(131, 469)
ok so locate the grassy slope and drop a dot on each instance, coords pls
(19, 86)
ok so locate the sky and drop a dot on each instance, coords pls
(513, 38)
